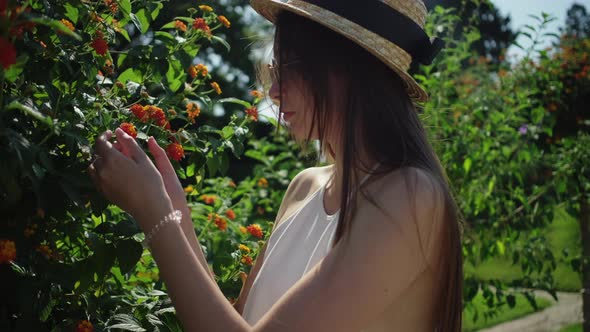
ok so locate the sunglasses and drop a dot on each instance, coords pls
(273, 67)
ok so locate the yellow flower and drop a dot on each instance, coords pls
(243, 229)
(216, 87)
(205, 8)
(192, 111)
(68, 24)
(223, 20)
(189, 189)
(262, 182)
(244, 248)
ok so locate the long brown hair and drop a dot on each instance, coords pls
(380, 115)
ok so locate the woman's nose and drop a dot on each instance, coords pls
(274, 93)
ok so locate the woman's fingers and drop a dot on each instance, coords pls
(162, 162)
(130, 147)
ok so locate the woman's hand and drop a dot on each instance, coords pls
(130, 179)
(172, 184)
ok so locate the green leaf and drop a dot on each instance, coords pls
(144, 20)
(57, 25)
(222, 42)
(71, 12)
(126, 322)
(467, 165)
(129, 253)
(46, 311)
(131, 75)
(235, 101)
(125, 6)
(137, 22)
(174, 76)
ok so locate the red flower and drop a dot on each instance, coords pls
(255, 230)
(220, 223)
(7, 251)
(252, 113)
(8, 54)
(156, 114)
(129, 128)
(247, 260)
(99, 44)
(175, 151)
(84, 326)
(200, 24)
(139, 111)
(230, 214)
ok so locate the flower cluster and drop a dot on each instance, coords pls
(262, 182)
(252, 113)
(99, 44)
(216, 87)
(129, 128)
(201, 24)
(255, 230)
(208, 199)
(84, 326)
(201, 69)
(219, 221)
(175, 151)
(230, 214)
(192, 111)
(7, 251)
(145, 113)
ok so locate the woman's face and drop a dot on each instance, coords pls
(295, 105)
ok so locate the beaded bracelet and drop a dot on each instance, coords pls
(175, 215)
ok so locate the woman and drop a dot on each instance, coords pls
(392, 260)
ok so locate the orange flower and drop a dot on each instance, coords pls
(96, 18)
(200, 24)
(252, 113)
(129, 128)
(193, 111)
(99, 44)
(68, 24)
(205, 8)
(7, 251)
(256, 94)
(216, 87)
(175, 151)
(243, 229)
(209, 199)
(244, 248)
(193, 71)
(157, 114)
(220, 222)
(260, 210)
(180, 25)
(113, 7)
(84, 326)
(230, 214)
(140, 112)
(255, 230)
(45, 250)
(223, 20)
(247, 260)
(263, 182)
(189, 189)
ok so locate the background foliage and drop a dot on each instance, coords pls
(512, 136)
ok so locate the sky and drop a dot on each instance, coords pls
(520, 9)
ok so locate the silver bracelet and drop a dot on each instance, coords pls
(175, 215)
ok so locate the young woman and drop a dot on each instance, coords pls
(391, 261)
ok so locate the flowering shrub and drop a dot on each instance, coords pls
(69, 73)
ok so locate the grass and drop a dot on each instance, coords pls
(572, 328)
(521, 308)
(562, 233)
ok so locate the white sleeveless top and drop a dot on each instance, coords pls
(296, 245)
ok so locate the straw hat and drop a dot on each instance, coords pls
(392, 30)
